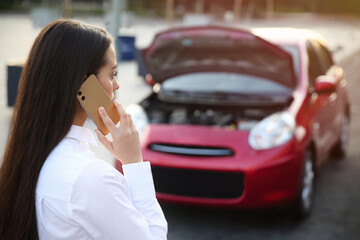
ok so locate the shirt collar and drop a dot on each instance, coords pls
(82, 134)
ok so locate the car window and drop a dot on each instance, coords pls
(315, 68)
(324, 54)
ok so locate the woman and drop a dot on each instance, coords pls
(51, 184)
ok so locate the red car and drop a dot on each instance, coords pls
(241, 118)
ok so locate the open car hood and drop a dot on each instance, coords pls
(215, 48)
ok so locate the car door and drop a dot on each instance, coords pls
(335, 99)
(327, 121)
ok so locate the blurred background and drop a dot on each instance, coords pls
(133, 23)
(156, 8)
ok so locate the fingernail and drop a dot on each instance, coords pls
(115, 101)
(101, 109)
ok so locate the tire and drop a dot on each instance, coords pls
(301, 208)
(340, 148)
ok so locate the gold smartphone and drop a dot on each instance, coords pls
(91, 96)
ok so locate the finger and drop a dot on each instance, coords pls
(123, 115)
(131, 124)
(104, 141)
(106, 119)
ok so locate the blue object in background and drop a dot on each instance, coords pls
(126, 46)
(13, 76)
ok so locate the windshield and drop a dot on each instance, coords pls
(294, 51)
(222, 82)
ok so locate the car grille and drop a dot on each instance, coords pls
(198, 183)
(192, 150)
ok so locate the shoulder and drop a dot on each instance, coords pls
(65, 165)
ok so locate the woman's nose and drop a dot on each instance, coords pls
(116, 85)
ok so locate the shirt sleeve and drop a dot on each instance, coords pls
(110, 206)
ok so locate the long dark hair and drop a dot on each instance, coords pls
(62, 54)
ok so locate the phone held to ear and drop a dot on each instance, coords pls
(91, 96)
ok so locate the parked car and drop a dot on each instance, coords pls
(241, 118)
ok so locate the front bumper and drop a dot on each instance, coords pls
(252, 188)
(246, 179)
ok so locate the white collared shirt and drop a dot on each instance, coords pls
(81, 197)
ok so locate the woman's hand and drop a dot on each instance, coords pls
(125, 145)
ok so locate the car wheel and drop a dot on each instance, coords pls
(339, 150)
(301, 208)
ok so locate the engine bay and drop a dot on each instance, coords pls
(240, 117)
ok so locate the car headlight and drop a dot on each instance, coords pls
(272, 131)
(138, 116)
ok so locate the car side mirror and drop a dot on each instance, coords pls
(325, 84)
(149, 79)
